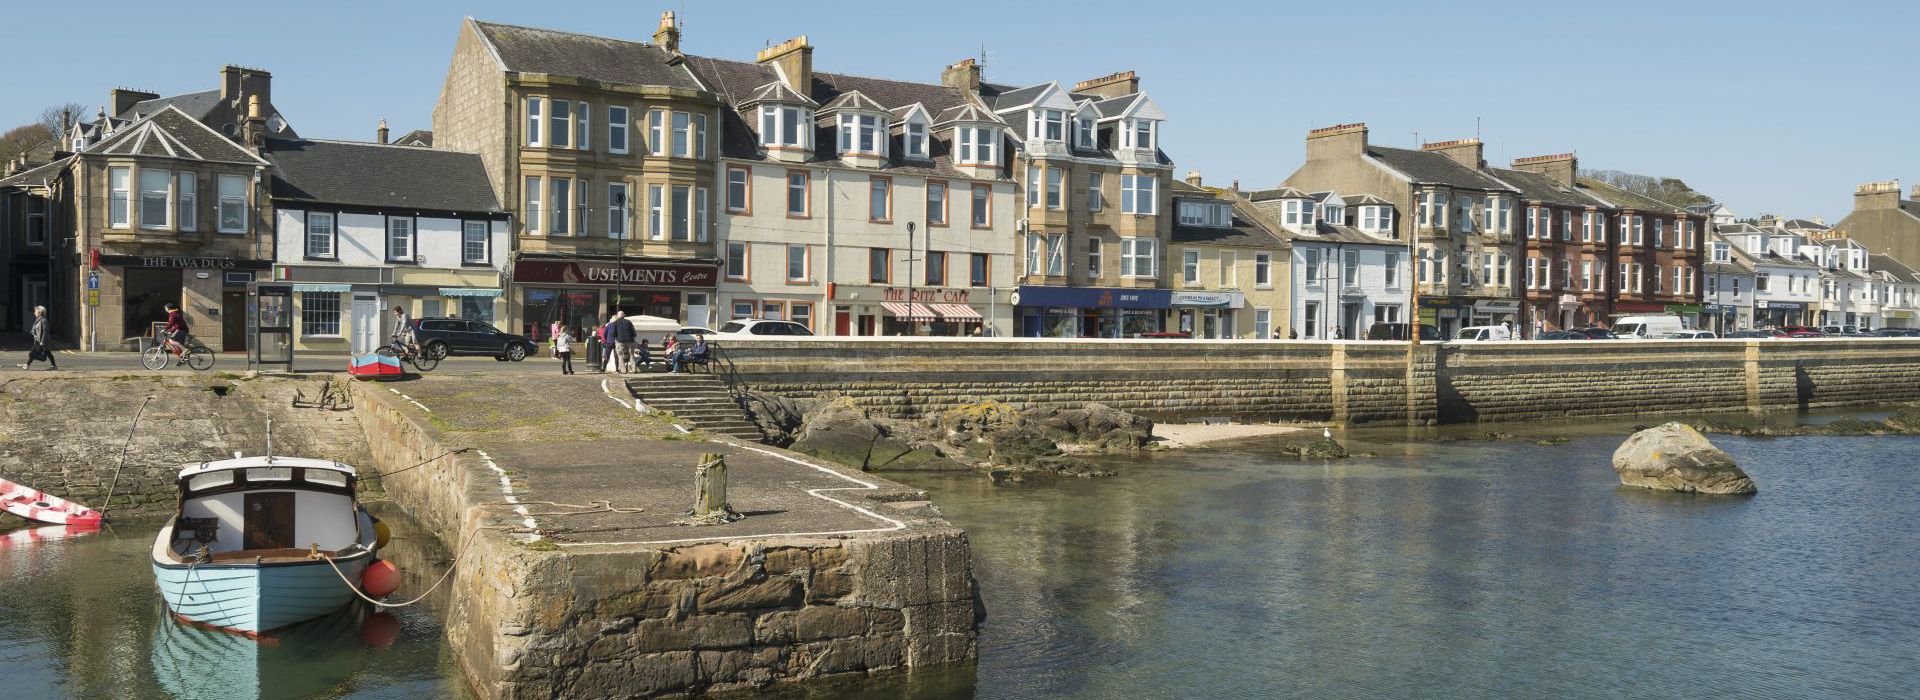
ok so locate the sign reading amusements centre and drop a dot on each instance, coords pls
(612, 273)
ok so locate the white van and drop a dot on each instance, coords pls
(1479, 333)
(1644, 327)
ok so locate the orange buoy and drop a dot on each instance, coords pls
(379, 630)
(380, 579)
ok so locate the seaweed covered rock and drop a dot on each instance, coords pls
(1675, 457)
(1095, 425)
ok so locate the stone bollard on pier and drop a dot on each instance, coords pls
(710, 493)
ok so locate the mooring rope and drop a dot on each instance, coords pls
(591, 507)
(428, 461)
(104, 505)
(423, 596)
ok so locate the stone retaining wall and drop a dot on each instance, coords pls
(1341, 382)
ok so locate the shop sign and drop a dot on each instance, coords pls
(1092, 297)
(1685, 308)
(1208, 299)
(185, 262)
(949, 296)
(1497, 306)
(612, 273)
(1788, 305)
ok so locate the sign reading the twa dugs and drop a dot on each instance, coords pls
(613, 273)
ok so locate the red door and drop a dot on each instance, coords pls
(842, 323)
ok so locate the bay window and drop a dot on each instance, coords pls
(861, 133)
(700, 136)
(656, 212)
(532, 213)
(682, 135)
(977, 145)
(119, 205)
(560, 117)
(580, 126)
(783, 126)
(156, 198)
(188, 217)
(1033, 185)
(1094, 262)
(617, 210)
(1055, 185)
(1137, 134)
(562, 205)
(1046, 254)
(533, 121)
(1093, 192)
(657, 132)
(1138, 194)
(682, 213)
(1137, 258)
(1048, 125)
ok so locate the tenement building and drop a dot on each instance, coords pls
(363, 228)
(1229, 265)
(1567, 256)
(859, 206)
(1657, 254)
(36, 266)
(1462, 215)
(1885, 222)
(605, 153)
(1728, 284)
(1348, 271)
(1094, 225)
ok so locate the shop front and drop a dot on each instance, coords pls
(1690, 314)
(1725, 318)
(1089, 312)
(1779, 313)
(127, 294)
(1450, 314)
(869, 310)
(583, 292)
(1206, 314)
(1898, 319)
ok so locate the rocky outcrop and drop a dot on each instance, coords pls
(779, 417)
(1903, 423)
(840, 431)
(1675, 457)
(1095, 425)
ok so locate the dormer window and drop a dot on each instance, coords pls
(1214, 214)
(1333, 213)
(860, 133)
(916, 140)
(976, 145)
(1137, 134)
(1296, 214)
(1376, 218)
(1084, 133)
(1048, 124)
(784, 126)
(1720, 252)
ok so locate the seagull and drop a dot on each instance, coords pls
(1326, 433)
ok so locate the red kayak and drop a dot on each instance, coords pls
(35, 505)
(376, 367)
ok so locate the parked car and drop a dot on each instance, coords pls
(441, 337)
(756, 327)
(1595, 333)
(686, 334)
(1645, 327)
(1692, 335)
(1560, 335)
(1164, 334)
(1839, 330)
(1756, 333)
(1483, 333)
(1398, 331)
(1801, 332)
(1897, 333)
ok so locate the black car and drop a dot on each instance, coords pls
(1594, 334)
(1561, 335)
(440, 337)
(1398, 331)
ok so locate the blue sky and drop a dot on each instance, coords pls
(1768, 106)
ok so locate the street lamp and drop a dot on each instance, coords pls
(913, 327)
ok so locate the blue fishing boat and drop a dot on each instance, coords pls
(260, 543)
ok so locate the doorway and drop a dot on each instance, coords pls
(842, 323)
(144, 298)
(268, 520)
(33, 292)
(366, 323)
(697, 309)
(233, 315)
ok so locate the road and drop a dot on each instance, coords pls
(310, 362)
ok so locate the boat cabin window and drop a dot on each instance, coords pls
(270, 474)
(202, 482)
(326, 477)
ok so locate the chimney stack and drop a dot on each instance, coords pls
(380, 133)
(1109, 86)
(255, 131)
(1563, 167)
(668, 35)
(1463, 151)
(1193, 178)
(963, 76)
(122, 99)
(1343, 140)
(1877, 195)
(237, 83)
(793, 60)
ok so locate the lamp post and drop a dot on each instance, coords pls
(913, 327)
(1413, 308)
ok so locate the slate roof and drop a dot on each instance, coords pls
(1359, 199)
(853, 100)
(1014, 97)
(173, 134)
(194, 104)
(1803, 224)
(36, 176)
(1735, 265)
(1885, 263)
(1323, 232)
(417, 137)
(375, 175)
(533, 50)
(1910, 207)
(1428, 167)
(1247, 231)
(1115, 106)
(776, 91)
(1535, 187)
(1277, 193)
(1628, 200)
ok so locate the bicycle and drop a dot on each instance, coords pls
(423, 361)
(198, 355)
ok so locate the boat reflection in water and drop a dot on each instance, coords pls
(318, 658)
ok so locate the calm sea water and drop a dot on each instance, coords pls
(1469, 569)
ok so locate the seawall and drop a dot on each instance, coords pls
(1354, 382)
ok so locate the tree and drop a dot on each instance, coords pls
(1671, 190)
(59, 118)
(34, 139)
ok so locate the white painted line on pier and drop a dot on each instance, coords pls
(506, 490)
(608, 390)
(892, 524)
(396, 392)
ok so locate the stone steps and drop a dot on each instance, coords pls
(700, 400)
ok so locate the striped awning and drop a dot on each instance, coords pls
(899, 309)
(957, 312)
(469, 291)
(323, 288)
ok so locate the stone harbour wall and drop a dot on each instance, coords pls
(1338, 382)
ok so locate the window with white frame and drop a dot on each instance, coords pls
(1639, 278)
(319, 314)
(233, 203)
(1679, 279)
(582, 192)
(188, 216)
(1375, 218)
(1586, 275)
(1659, 232)
(400, 238)
(682, 213)
(860, 133)
(1566, 226)
(617, 210)
(1599, 227)
(1056, 255)
(533, 206)
(320, 235)
(1333, 213)
(1084, 132)
(156, 198)
(474, 246)
(1586, 227)
(977, 145)
(797, 260)
(736, 262)
(1190, 268)
(1350, 269)
(1566, 274)
(657, 212)
(1093, 192)
(617, 124)
(580, 126)
(1310, 266)
(1263, 323)
(879, 199)
(119, 202)
(1056, 188)
(1463, 215)
(1505, 271)
(534, 123)
(982, 206)
(560, 123)
(1391, 271)
(1263, 270)
(1033, 185)
(799, 186)
(784, 126)
(1138, 195)
(916, 140)
(1533, 223)
(700, 136)
(1138, 259)
(936, 203)
(561, 205)
(682, 135)
(1497, 213)
(738, 189)
(1138, 134)
(1093, 257)
(1047, 125)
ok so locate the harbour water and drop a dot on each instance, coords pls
(1469, 568)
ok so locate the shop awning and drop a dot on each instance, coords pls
(957, 312)
(898, 309)
(469, 291)
(323, 288)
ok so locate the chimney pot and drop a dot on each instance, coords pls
(963, 76)
(380, 133)
(1340, 140)
(793, 59)
(1112, 85)
(668, 35)
(1193, 178)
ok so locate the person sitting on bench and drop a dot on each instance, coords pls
(693, 355)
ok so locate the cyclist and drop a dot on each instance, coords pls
(174, 336)
(403, 331)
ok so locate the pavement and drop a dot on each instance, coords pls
(11, 358)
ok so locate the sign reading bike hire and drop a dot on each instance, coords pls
(612, 273)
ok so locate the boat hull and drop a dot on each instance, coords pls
(252, 598)
(40, 506)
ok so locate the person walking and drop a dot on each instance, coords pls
(40, 351)
(606, 344)
(623, 336)
(563, 348)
